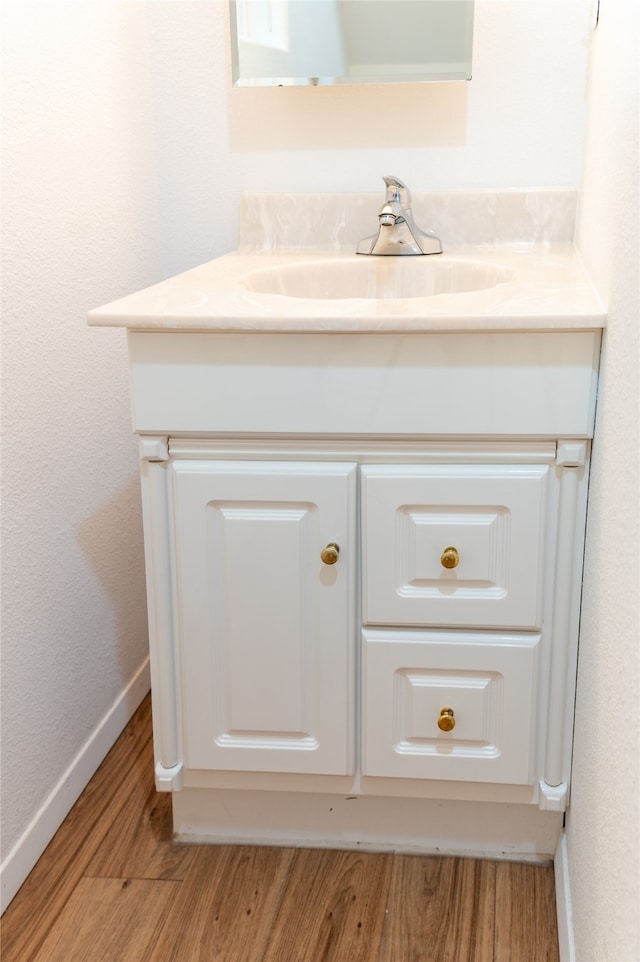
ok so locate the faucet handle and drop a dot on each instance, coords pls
(397, 190)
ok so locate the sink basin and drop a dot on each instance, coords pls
(375, 278)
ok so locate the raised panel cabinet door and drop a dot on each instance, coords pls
(457, 706)
(265, 625)
(458, 544)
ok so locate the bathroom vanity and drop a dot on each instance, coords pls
(364, 490)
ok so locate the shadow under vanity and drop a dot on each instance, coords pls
(364, 522)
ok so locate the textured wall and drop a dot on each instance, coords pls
(80, 209)
(124, 153)
(602, 826)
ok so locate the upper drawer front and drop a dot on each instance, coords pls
(516, 384)
(492, 520)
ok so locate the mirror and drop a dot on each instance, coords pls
(320, 42)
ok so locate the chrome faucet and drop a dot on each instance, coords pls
(398, 233)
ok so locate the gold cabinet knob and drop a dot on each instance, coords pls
(446, 722)
(450, 557)
(330, 554)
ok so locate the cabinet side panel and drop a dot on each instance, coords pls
(164, 670)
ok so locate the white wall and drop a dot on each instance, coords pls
(518, 123)
(125, 151)
(80, 210)
(602, 825)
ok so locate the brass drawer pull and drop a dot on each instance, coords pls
(330, 554)
(450, 557)
(446, 722)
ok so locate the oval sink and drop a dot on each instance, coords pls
(375, 278)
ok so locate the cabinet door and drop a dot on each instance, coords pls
(458, 545)
(265, 627)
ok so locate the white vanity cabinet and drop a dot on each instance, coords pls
(431, 653)
(364, 489)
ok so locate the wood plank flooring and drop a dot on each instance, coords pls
(113, 887)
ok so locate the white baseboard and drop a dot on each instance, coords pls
(25, 853)
(563, 902)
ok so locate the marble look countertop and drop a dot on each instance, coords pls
(525, 235)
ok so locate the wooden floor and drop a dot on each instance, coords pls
(113, 887)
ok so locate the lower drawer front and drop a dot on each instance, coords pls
(489, 683)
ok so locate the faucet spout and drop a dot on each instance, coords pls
(397, 232)
(390, 214)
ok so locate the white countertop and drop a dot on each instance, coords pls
(526, 234)
(547, 289)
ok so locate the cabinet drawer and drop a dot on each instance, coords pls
(492, 520)
(488, 681)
